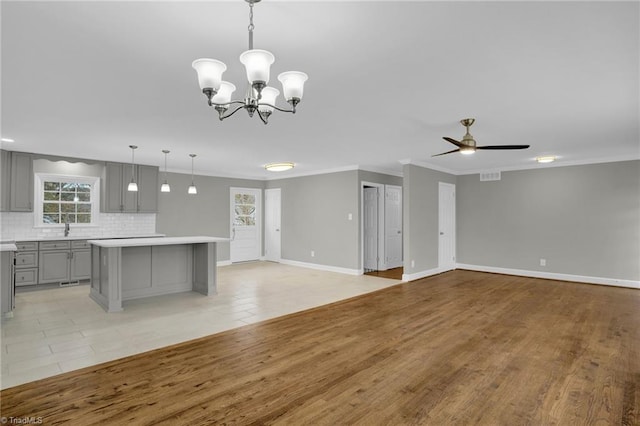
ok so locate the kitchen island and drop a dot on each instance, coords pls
(133, 268)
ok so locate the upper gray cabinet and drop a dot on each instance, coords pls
(115, 196)
(17, 182)
(5, 180)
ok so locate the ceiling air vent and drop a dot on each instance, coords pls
(487, 176)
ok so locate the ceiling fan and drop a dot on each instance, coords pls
(468, 144)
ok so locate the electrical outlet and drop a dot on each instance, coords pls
(543, 262)
(313, 253)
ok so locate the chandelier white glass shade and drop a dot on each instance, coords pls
(257, 64)
(133, 186)
(192, 188)
(165, 185)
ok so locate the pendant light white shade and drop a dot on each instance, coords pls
(258, 64)
(165, 187)
(133, 186)
(224, 93)
(209, 72)
(269, 95)
(192, 188)
(292, 84)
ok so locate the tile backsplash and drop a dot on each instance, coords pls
(19, 226)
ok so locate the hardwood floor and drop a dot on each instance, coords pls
(458, 348)
(394, 274)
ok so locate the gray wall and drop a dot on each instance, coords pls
(420, 216)
(206, 213)
(315, 213)
(584, 220)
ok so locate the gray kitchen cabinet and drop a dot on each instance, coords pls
(117, 199)
(54, 266)
(21, 191)
(64, 261)
(5, 180)
(7, 295)
(26, 263)
(147, 189)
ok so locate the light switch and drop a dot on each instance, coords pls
(350, 216)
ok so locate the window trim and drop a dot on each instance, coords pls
(94, 181)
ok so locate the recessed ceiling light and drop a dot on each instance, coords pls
(546, 159)
(279, 167)
(7, 140)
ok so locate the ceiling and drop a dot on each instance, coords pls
(387, 80)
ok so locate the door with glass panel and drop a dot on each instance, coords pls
(246, 217)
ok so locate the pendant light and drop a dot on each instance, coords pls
(192, 188)
(165, 186)
(133, 186)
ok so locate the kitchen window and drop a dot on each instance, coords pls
(66, 199)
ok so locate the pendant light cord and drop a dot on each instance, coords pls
(251, 26)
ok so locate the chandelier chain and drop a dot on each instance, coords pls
(251, 26)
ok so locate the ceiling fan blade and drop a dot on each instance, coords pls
(453, 141)
(503, 147)
(449, 152)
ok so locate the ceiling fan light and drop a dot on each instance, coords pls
(209, 73)
(546, 159)
(279, 167)
(258, 65)
(292, 84)
(467, 151)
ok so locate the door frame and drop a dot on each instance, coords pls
(382, 262)
(259, 219)
(266, 224)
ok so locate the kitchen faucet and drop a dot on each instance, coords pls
(66, 229)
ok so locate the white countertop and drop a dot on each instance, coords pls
(72, 237)
(164, 241)
(8, 247)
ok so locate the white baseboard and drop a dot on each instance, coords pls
(322, 267)
(423, 274)
(552, 276)
(224, 262)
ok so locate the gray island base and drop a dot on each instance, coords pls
(126, 269)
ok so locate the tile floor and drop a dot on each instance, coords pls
(62, 329)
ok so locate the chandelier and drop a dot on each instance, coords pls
(259, 96)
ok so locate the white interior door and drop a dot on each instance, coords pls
(393, 225)
(272, 223)
(370, 228)
(246, 239)
(447, 226)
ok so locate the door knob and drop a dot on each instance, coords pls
(277, 229)
(442, 233)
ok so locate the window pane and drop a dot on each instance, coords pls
(84, 187)
(67, 196)
(245, 199)
(68, 208)
(69, 186)
(50, 218)
(51, 196)
(50, 208)
(84, 218)
(245, 210)
(51, 186)
(84, 196)
(84, 208)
